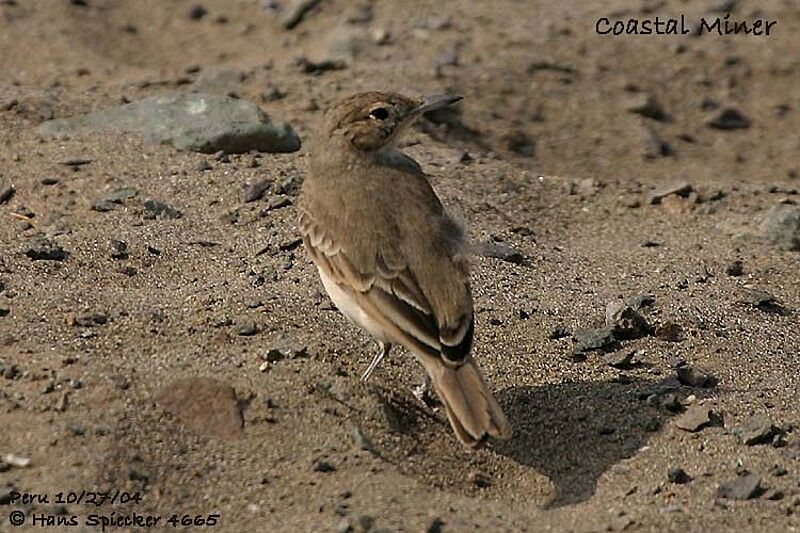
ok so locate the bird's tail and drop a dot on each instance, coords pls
(471, 408)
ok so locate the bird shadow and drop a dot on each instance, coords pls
(574, 432)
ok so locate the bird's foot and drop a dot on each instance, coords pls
(422, 393)
(384, 349)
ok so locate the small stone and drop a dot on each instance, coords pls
(154, 209)
(499, 251)
(285, 348)
(698, 417)
(344, 526)
(627, 322)
(252, 191)
(778, 471)
(729, 119)
(197, 11)
(247, 330)
(669, 331)
(671, 402)
(741, 488)
(759, 429)
(203, 166)
(621, 359)
(321, 465)
(695, 377)
(6, 193)
(479, 479)
(436, 525)
(42, 249)
(646, 106)
(296, 12)
(365, 522)
(594, 339)
(735, 268)
(102, 206)
(763, 301)
(50, 181)
(682, 189)
(75, 161)
(77, 429)
(17, 461)
(558, 332)
(781, 227)
(119, 249)
(678, 476)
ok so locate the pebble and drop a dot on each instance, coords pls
(729, 119)
(119, 249)
(499, 251)
(735, 268)
(646, 105)
(43, 249)
(6, 193)
(247, 330)
(669, 331)
(698, 417)
(763, 301)
(594, 339)
(154, 209)
(695, 377)
(681, 188)
(320, 465)
(627, 322)
(622, 360)
(678, 476)
(741, 488)
(781, 227)
(254, 190)
(296, 12)
(197, 12)
(17, 461)
(758, 429)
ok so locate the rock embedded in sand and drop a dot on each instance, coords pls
(196, 122)
(758, 429)
(500, 251)
(681, 188)
(627, 322)
(695, 377)
(698, 417)
(42, 249)
(729, 119)
(781, 227)
(741, 488)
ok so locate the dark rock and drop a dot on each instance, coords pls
(436, 525)
(500, 251)
(119, 249)
(682, 189)
(669, 331)
(558, 332)
(678, 476)
(781, 227)
(252, 191)
(695, 377)
(646, 106)
(197, 11)
(77, 429)
(203, 405)
(296, 12)
(195, 121)
(154, 209)
(698, 417)
(321, 465)
(50, 181)
(43, 249)
(763, 301)
(654, 145)
(627, 322)
(119, 195)
(741, 488)
(102, 206)
(735, 268)
(594, 339)
(275, 203)
(6, 193)
(671, 402)
(729, 119)
(759, 429)
(285, 348)
(308, 66)
(621, 359)
(91, 320)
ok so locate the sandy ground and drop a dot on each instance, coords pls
(93, 348)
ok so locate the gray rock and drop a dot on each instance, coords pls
(6, 193)
(296, 12)
(678, 476)
(782, 227)
(42, 249)
(645, 105)
(759, 429)
(763, 301)
(197, 122)
(681, 188)
(621, 359)
(698, 417)
(593, 339)
(254, 190)
(500, 251)
(627, 322)
(695, 377)
(741, 488)
(154, 209)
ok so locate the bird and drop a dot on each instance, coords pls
(390, 256)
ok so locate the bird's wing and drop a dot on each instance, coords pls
(388, 290)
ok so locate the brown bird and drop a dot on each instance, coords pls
(389, 255)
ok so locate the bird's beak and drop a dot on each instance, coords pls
(434, 102)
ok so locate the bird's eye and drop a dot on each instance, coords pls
(380, 113)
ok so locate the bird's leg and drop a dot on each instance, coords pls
(382, 352)
(422, 391)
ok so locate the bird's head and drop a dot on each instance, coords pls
(372, 120)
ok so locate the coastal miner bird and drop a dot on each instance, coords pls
(389, 255)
